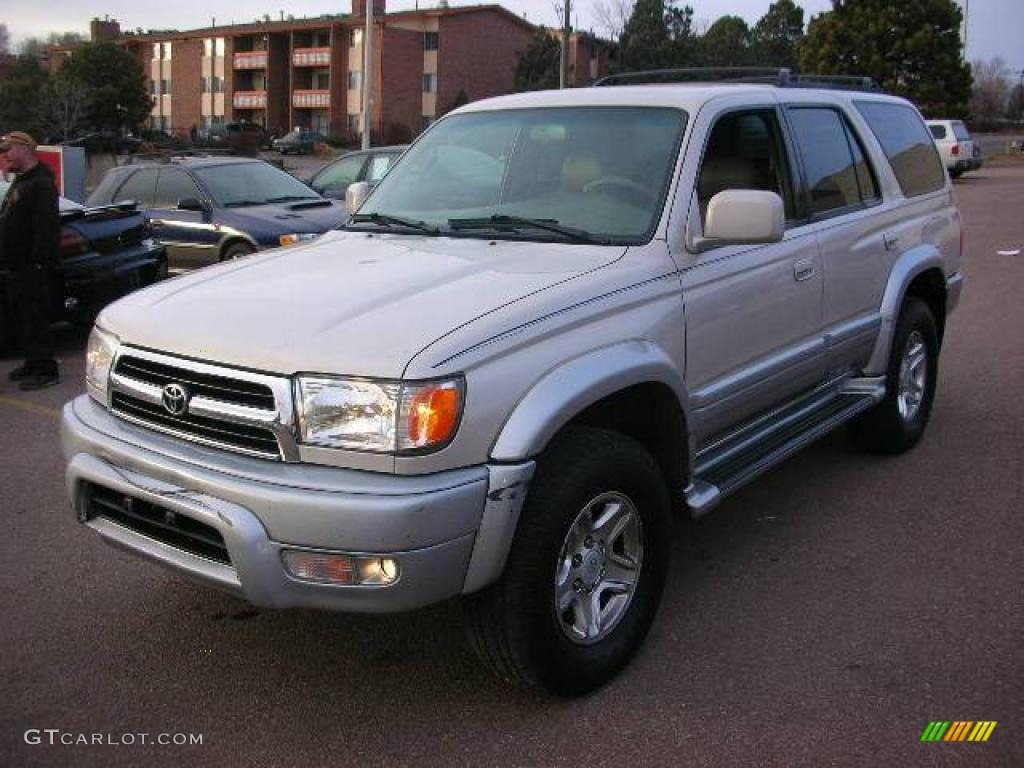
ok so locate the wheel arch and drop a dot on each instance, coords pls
(631, 387)
(918, 272)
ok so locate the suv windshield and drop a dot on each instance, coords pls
(578, 174)
(256, 183)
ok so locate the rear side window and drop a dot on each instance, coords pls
(836, 171)
(139, 187)
(938, 131)
(104, 194)
(907, 144)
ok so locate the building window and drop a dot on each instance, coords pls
(353, 80)
(208, 47)
(321, 81)
(430, 83)
(153, 88)
(166, 50)
(156, 50)
(218, 84)
(163, 88)
(430, 41)
(356, 38)
(218, 46)
(354, 124)
(204, 85)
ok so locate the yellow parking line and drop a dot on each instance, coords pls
(27, 405)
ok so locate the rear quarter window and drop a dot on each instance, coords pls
(938, 131)
(907, 144)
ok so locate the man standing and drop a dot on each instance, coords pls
(29, 237)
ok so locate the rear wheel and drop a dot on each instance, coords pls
(897, 423)
(586, 571)
(236, 251)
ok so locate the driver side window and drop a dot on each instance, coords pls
(745, 151)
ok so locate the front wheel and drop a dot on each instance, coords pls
(586, 570)
(897, 423)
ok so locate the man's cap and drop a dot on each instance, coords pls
(17, 137)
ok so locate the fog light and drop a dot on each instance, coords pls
(377, 570)
(319, 566)
(330, 568)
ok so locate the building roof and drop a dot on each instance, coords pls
(265, 27)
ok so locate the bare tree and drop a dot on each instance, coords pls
(62, 104)
(612, 16)
(991, 93)
(5, 39)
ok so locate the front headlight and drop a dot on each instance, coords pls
(379, 416)
(297, 237)
(99, 356)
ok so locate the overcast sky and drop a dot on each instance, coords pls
(996, 27)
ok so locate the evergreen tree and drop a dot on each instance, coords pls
(911, 48)
(777, 35)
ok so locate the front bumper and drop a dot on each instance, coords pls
(449, 531)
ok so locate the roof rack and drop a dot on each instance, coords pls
(777, 76)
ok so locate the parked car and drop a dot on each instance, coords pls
(299, 142)
(370, 166)
(955, 146)
(560, 317)
(210, 209)
(237, 134)
(106, 253)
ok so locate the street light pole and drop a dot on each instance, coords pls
(563, 78)
(368, 74)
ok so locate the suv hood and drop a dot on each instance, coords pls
(349, 303)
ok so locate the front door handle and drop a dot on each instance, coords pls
(803, 270)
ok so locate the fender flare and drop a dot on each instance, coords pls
(908, 266)
(565, 391)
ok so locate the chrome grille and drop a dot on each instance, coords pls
(241, 411)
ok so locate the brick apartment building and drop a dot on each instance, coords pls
(308, 72)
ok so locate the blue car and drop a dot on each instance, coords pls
(210, 209)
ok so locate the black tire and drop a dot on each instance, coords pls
(236, 251)
(513, 625)
(884, 429)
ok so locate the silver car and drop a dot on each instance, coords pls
(560, 318)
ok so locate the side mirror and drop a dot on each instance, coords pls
(190, 204)
(355, 195)
(743, 217)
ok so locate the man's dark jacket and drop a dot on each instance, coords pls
(30, 221)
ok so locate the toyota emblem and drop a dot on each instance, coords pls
(175, 399)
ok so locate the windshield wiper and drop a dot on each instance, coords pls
(502, 222)
(241, 203)
(386, 219)
(291, 198)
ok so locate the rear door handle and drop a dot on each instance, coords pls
(803, 270)
(891, 241)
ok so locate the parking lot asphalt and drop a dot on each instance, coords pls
(822, 616)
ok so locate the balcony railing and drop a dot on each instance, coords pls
(311, 57)
(251, 60)
(311, 99)
(250, 100)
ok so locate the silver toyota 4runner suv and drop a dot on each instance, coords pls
(561, 317)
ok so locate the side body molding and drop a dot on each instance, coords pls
(568, 389)
(908, 266)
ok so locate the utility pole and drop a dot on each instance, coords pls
(368, 74)
(563, 79)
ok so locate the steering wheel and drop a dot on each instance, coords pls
(623, 183)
